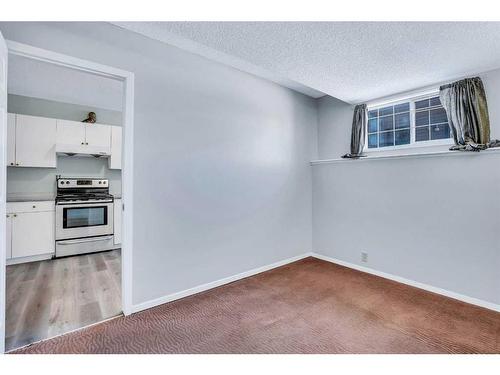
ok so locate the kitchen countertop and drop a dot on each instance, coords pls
(31, 197)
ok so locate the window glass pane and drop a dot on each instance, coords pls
(386, 123)
(438, 116)
(373, 141)
(385, 111)
(435, 101)
(422, 103)
(402, 137)
(372, 125)
(441, 131)
(405, 107)
(421, 118)
(402, 120)
(422, 134)
(393, 125)
(386, 139)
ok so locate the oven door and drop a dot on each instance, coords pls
(84, 220)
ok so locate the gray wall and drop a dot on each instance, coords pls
(26, 105)
(334, 127)
(433, 220)
(222, 176)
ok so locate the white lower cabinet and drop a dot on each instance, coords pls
(30, 229)
(117, 221)
(8, 236)
(11, 139)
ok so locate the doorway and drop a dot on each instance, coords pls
(118, 263)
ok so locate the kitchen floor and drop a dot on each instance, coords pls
(47, 298)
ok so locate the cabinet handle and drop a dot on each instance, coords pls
(11, 163)
(34, 206)
(83, 143)
(87, 143)
(7, 215)
(17, 163)
(15, 215)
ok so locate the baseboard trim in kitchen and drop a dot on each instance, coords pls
(214, 284)
(34, 258)
(416, 284)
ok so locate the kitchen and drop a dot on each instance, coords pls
(64, 205)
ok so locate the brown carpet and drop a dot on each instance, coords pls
(310, 306)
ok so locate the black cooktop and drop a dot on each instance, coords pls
(83, 197)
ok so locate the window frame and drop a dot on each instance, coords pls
(401, 100)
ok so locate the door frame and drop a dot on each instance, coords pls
(127, 78)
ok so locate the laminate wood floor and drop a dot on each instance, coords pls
(51, 297)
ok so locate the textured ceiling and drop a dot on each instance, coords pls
(353, 61)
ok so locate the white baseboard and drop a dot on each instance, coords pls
(230, 279)
(33, 258)
(214, 284)
(416, 284)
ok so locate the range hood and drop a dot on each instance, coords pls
(82, 150)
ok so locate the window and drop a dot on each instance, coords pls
(415, 121)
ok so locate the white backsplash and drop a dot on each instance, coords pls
(22, 182)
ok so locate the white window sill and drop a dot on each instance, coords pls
(408, 154)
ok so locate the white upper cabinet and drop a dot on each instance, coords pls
(98, 137)
(70, 133)
(115, 160)
(83, 138)
(35, 140)
(11, 139)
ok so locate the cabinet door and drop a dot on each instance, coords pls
(8, 236)
(117, 221)
(115, 160)
(35, 141)
(70, 133)
(11, 139)
(33, 233)
(98, 137)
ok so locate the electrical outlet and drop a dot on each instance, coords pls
(364, 257)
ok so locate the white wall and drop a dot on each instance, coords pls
(432, 220)
(222, 175)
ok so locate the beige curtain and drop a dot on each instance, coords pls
(467, 110)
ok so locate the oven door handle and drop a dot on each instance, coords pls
(72, 242)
